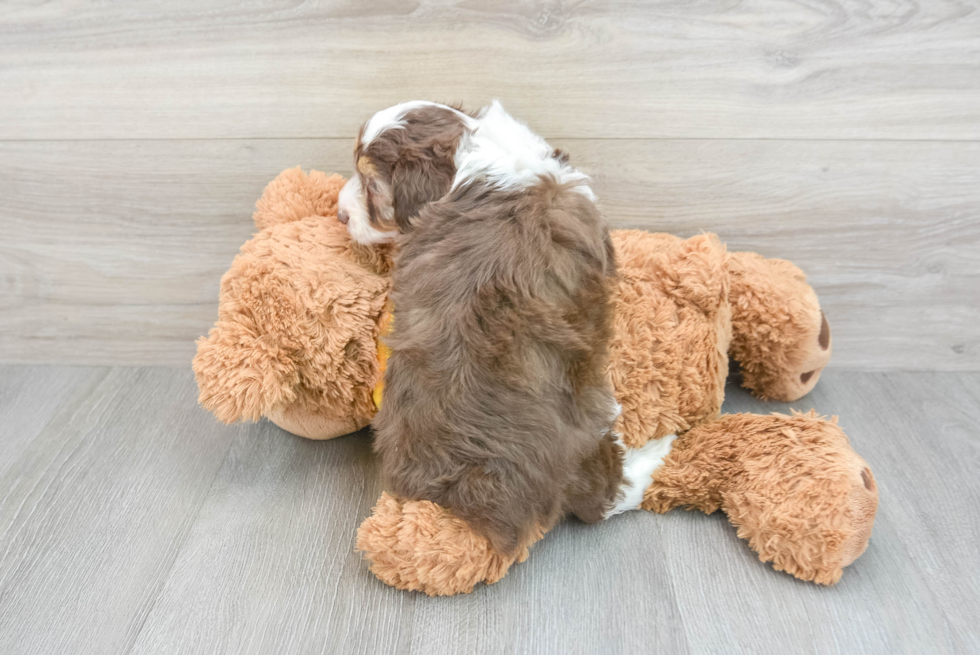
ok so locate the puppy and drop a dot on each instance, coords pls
(497, 404)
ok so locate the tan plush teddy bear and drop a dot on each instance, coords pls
(302, 309)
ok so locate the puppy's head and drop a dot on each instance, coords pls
(403, 159)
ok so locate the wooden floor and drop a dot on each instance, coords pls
(131, 522)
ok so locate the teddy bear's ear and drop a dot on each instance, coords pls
(242, 376)
(294, 195)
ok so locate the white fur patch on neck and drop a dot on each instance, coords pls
(500, 148)
(639, 465)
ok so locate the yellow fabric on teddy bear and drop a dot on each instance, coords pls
(383, 353)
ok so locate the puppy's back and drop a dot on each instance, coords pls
(495, 392)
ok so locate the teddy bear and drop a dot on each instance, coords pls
(300, 340)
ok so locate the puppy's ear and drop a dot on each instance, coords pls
(417, 182)
(610, 255)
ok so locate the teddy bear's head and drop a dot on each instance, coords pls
(298, 317)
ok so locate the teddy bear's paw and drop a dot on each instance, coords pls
(817, 521)
(780, 336)
(420, 546)
(241, 374)
(805, 361)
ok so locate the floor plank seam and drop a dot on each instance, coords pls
(183, 542)
(673, 591)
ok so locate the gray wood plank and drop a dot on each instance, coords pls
(119, 530)
(585, 589)
(30, 396)
(912, 591)
(621, 69)
(95, 508)
(270, 567)
(106, 262)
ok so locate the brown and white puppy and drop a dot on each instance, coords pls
(497, 404)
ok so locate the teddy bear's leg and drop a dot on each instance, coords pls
(792, 485)
(780, 337)
(420, 546)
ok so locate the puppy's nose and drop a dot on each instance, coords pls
(343, 216)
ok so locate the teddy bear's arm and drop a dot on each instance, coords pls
(780, 337)
(792, 485)
(296, 338)
(242, 374)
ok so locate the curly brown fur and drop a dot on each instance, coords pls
(495, 393)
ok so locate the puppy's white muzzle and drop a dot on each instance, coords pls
(352, 211)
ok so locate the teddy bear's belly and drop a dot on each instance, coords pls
(668, 359)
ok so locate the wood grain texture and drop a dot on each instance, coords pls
(624, 69)
(94, 508)
(113, 251)
(270, 567)
(113, 538)
(912, 591)
(30, 397)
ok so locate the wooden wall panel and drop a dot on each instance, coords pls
(112, 251)
(623, 69)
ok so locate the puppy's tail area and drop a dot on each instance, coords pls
(242, 375)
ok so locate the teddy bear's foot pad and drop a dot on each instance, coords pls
(420, 546)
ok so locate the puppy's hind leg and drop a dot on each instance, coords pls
(639, 465)
(593, 488)
(613, 479)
